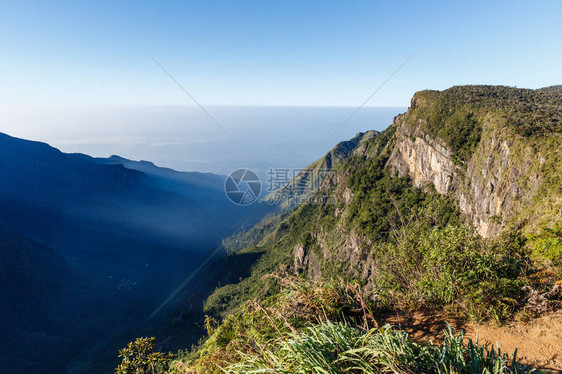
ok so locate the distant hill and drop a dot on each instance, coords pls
(194, 179)
(93, 246)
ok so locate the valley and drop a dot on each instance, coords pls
(98, 245)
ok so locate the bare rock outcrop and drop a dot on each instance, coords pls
(490, 187)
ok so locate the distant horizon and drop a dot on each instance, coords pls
(184, 138)
(49, 123)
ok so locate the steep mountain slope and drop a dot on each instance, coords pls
(116, 238)
(441, 211)
(298, 190)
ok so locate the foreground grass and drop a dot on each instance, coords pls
(342, 348)
(327, 327)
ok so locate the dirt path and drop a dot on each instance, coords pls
(538, 343)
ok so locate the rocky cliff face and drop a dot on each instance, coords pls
(499, 183)
(498, 175)
(480, 192)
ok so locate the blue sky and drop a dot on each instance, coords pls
(307, 53)
(79, 75)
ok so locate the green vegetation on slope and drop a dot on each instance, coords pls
(415, 251)
(327, 327)
(392, 246)
(547, 246)
(139, 357)
(425, 255)
(457, 115)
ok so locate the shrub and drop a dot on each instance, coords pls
(547, 246)
(139, 358)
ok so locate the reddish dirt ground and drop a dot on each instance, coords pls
(538, 342)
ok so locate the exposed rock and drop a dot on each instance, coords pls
(490, 187)
(305, 260)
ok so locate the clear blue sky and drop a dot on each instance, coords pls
(271, 52)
